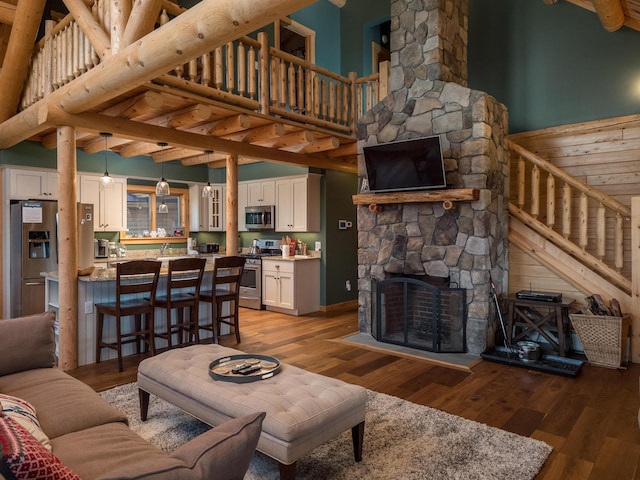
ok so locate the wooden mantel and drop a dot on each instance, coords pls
(447, 197)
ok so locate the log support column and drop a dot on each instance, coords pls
(232, 205)
(67, 250)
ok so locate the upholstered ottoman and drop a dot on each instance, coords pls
(304, 409)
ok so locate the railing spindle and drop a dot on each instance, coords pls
(282, 77)
(566, 210)
(252, 73)
(217, 75)
(600, 231)
(242, 69)
(551, 201)
(535, 191)
(292, 86)
(193, 70)
(618, 242)
(231, 77)
(300, 81)
(206, 69)
(582, 222)
(521, 181)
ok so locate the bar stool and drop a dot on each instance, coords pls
(135, 280)
(184, 280)
(225, 287)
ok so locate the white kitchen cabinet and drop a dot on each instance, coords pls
(298, 204)
(206, 214)
(261, 193)
(280, 293)
(243, 201)
(33, 184)
(109, 206)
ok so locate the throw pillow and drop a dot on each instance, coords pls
(27, 458)
(23, 412)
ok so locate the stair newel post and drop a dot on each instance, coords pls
(521, 181)
(600, 231)
(583, 216)
(535, 191)
(551, 201)
(566, 210)
(635, 279)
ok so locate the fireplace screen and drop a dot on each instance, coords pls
(417, 314)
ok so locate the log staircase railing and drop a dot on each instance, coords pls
(584, 222)
(246, 72)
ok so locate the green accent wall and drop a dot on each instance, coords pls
(552, 64)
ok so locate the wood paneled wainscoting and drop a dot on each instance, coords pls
(590, 420)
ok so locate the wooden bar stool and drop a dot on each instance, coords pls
(136, 285)
(184, 280)
(225, 287)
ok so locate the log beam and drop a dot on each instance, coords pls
(141, 21)
(610, 14)
(16, 60)
(143, 132)
(201, 28)
(7, 13)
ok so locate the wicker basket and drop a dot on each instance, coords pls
(603, 338)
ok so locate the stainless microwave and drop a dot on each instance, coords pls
(260, 217)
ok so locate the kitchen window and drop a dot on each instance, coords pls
(146, 225)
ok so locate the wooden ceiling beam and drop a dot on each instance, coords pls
(144, 132)
(610, 14)
(257, 134)
(141, 21)
(223, 163)
(187, 116)
(18, 55)
(204, 158)
(7, 13)
(203, 27)
(321, 145)
(301, 137)
(225, 126)
(170, 154)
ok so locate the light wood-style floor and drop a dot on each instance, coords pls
(591, 420)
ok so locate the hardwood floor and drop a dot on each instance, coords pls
(590, 420)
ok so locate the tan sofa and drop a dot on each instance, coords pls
(88, 435)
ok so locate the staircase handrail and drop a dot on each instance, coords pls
(575, 239)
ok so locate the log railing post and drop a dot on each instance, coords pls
(566, 210)
(521, 181)
(551, 201)
(535, 192)
(353, 115)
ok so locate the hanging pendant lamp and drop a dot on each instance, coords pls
(207, 190)
(162, 187)
(106, 181)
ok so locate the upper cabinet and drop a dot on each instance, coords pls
(261, 192)
(298, 204)
(206, 214)
(109, 206)
(33, 184)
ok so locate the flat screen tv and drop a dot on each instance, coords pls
(405, 165)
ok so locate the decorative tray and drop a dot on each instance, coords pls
(244, 368)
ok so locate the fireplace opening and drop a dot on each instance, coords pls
(414, 313)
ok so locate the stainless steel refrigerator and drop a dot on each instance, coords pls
(34, 249)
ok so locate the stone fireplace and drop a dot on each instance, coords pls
(429, 96)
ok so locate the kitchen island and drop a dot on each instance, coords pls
(100, 287)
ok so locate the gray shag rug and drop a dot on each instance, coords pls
(402, 440)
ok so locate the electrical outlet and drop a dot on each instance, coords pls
(88, 307)
(347, 285)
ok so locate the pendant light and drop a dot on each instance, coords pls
(207, 191)
(106, 182)
(162, 187)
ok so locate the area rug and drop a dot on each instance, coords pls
(402, 440)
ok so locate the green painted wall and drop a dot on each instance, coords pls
(552, 64)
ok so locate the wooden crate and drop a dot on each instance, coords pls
(603, 338)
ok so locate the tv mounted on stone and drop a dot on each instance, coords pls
(414, 164)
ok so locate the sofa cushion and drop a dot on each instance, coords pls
(113, 451)
(27, 342)
(26, 457)
(64, 404)
(23, 412)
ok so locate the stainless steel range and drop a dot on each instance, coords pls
(251, 283)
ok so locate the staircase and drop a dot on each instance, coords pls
(574, 230)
